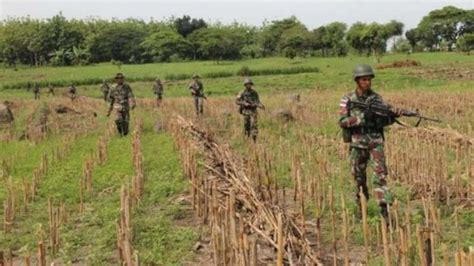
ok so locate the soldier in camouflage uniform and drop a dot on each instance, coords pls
(72, 92)
(50, 89)
(158, 90)
(363, 129)
(197, 91)
(36, 91)
(121, 101)
(248, 102)
(105, 88)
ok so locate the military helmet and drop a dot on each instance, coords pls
(362, 70)
(157, 79)
(196, 76)
(248, 81)
(119, 76)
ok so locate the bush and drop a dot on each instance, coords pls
(244, 71)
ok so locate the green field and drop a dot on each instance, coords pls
(430, 167)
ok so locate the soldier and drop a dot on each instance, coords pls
(50, 89)
(197, 91)
(36, 91)
(248, 102)
(158, 90)
(121, 100)
(363, 129)
(72, 92)
(105, 88)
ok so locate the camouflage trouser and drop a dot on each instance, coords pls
(251, 125)
(359, 160)
(72, 96)
(199, 104)
(37, 95)
(106, 93)
(122, 120)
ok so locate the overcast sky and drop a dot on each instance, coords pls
(312, 13)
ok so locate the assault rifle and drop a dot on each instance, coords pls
(384, 109)
(248, 104)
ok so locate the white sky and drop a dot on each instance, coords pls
(312, 13)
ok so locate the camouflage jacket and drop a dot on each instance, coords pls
(248, 101)
(72, 89)
(158, 88)
(121, 98)
(362, 135)
(196, 88)
(105, 88)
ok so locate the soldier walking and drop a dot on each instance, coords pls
(248, 102)
(363, 129)
(158, 91)
(105, 88)
(36, 91)
(50, 89)
(121, 101)
(72, 92)
(197, 91)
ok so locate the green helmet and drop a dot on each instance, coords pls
(119, 76)
(248, 81)
(196, 76)
(362, 70)
(157, 79)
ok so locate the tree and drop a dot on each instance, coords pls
(330, 39)
(466, 43)
(412, 38)
(401, 45)
(163, 45)
(119, 41)
(186, 25)
(79, 56)
(271, 34)
(61, 57)
(445, 25)
(295, 41)
(218, 42)
(372, 38)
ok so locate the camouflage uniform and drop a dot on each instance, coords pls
(367, 141)
(36, 91)
(72, 92)
(105, 88)
(50, 89)
(248, 102)
(121, 100)
(158, 90)
(197, 91)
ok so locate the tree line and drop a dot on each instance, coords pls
(58, 41)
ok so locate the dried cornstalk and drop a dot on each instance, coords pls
(256, 211)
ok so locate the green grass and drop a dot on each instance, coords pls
(94, 74)
(163, 233)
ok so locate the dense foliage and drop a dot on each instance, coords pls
(58, 41)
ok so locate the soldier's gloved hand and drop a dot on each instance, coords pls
(397, 111)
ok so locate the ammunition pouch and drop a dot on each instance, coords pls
(347, 135)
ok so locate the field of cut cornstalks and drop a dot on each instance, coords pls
(187, 190)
